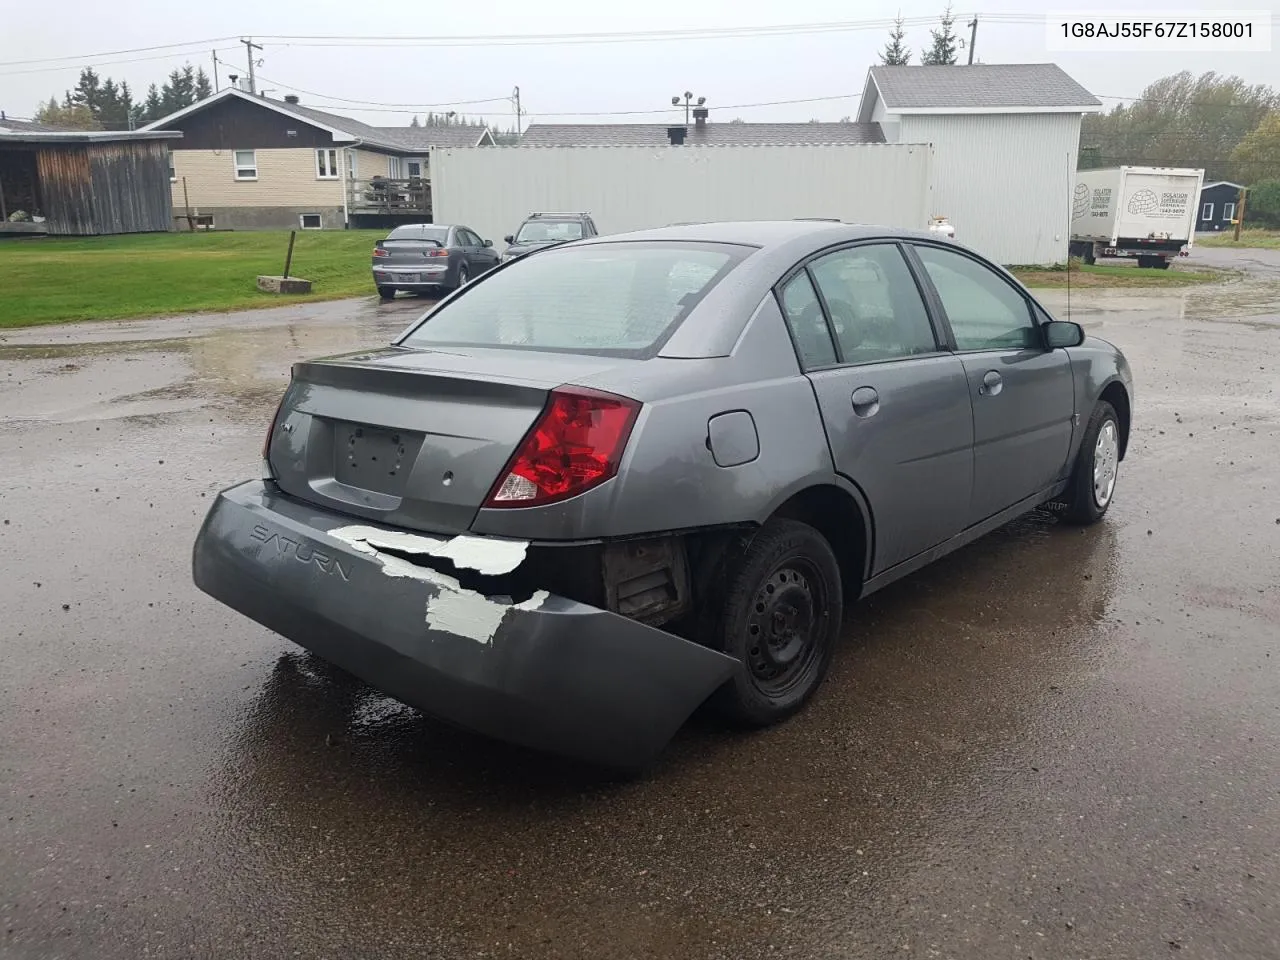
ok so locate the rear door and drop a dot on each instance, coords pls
(1022, 395)
(894, 401)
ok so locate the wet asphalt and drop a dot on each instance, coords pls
(1056, 743)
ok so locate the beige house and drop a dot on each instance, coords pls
(249, 162)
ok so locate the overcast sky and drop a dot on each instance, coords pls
(555, 80)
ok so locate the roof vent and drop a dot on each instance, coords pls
(677, 135)
(290, 98)
(700, 115)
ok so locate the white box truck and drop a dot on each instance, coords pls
(1148, 213)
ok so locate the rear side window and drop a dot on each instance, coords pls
(803, 310)
(611, 299)
(875, 305)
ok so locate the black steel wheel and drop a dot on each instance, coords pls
(779, 616)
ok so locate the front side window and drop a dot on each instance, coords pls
(875, 306)
(542, 231)
(985, 311)
(326, 164)
(614, 299)
(246, 162)
(808, 324)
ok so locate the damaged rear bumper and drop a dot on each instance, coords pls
(546, 672)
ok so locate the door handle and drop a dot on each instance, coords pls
(992, 384)
(866, 402)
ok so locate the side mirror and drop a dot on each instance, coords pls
(488, 243)
(508, 239)
(1062, 333)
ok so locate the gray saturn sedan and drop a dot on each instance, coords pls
(597, 487)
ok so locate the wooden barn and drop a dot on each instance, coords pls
(83, 182)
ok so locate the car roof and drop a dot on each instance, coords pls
(765, 233)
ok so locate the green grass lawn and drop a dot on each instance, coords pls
(56, 279)
(1119, 275)
(1248, 238)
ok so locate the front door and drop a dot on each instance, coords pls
(894, 403)
(1023, 395)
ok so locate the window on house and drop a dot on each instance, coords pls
(204, 221)
(395, 168)
(1228, 212)
(1206, 212)
(326, 164)
(173, 174)
(310, 221)
(246, 164)
(413, 168)
(351, 164)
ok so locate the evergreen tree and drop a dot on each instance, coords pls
(943, 50)
(203, 88)
(896, 53)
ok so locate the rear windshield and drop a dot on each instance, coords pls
(416, 231)
(540, 231)
(611, 299)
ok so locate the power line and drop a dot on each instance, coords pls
(116, 53)
(1191, 103)
(101, 63)
(621, 36)
(390, 107)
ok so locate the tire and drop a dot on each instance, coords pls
(464, 276)
(1146, 263)
(1162, 264)
(785, 586)
(1089, 256)
(387, 293)
(1084, 503)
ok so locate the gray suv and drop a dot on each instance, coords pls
(541, 230)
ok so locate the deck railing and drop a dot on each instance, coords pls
(387, 196)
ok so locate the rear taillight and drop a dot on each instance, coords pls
(380, 252)
(576, 444)
(435, 253)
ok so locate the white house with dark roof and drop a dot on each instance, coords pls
(248, 161)
(1005, 138)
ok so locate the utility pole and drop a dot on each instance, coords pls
(250, 46)
(215, 71)
(515, 96)
(1241, 200)
(973, 36)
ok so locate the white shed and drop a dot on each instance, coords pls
(1005, 140)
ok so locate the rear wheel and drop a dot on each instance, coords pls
(779, 617)
(1162, 263)
(1093, 481)
(387, 293)
(463, 276)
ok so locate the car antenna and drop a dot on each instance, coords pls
(1070, 212)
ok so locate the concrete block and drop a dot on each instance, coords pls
(284, 285)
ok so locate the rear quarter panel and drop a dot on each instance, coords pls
(668, 479)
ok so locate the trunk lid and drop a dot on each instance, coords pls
(407, 253)
(412, 438)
